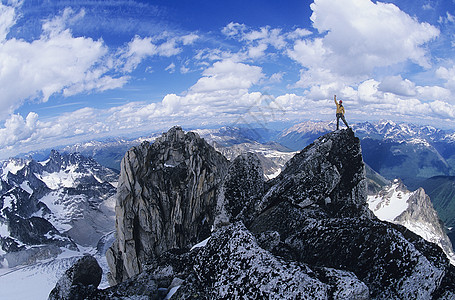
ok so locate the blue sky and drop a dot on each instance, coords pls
(78, 70)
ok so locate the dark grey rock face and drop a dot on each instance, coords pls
(328, 174)
(234, 266)
(79, 282)
(341, 232)
(241, 190)
(166, 199)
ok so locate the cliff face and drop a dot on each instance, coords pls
(307, 234)
(241, 190)
(166, 199)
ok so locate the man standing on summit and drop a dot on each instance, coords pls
(340, 112)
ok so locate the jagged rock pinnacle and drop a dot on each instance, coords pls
(166, 198)
(328, 174)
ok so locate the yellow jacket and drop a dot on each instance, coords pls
(340, 108)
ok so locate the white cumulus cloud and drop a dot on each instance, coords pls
(398, 86)
(228, 75)
(56, 62)
(447, 74)
(60, 63)
(16, 129)
(354, 43)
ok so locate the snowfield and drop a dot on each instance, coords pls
(37, 281)
(75, 204)
(391, 206)
(394, 201)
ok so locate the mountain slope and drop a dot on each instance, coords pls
(413, 210)
(308, 232)
(441, 190)
(50, 212)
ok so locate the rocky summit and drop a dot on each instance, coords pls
(191, 225)
(166, 199)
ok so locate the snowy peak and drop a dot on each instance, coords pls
(310, 127)
(228, 136)
(383, 129)
(72, 167)
(414, 210)
(400, 131)
(52, 204)
(11, 166)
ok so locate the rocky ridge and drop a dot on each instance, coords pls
(306, 234)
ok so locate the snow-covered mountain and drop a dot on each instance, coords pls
(403, 132)
(50, 212)
(300, 135)
(381, 130)
(394, 150)
(414, 210)
(108, 152)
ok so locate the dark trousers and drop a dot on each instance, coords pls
(339, 115)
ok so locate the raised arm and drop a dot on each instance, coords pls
(335, 99)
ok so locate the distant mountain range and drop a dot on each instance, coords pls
(391, 150)
(410, 152)
(52, 211)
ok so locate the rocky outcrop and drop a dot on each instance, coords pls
(166, 199)
(241, 190)
(308, 234)
(272, 156)
(79, 282)
(328, 175)
(319, 216)
(233, 266)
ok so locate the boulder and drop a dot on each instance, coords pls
(80, 281)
